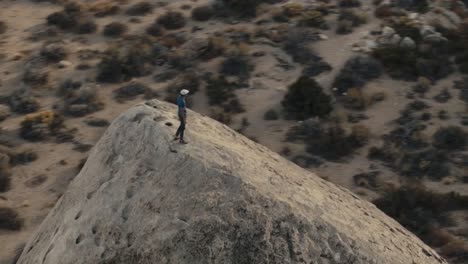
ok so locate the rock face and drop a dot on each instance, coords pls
(143, 198)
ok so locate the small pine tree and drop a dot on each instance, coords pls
(305, 98)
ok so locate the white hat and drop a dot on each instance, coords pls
(184, 92)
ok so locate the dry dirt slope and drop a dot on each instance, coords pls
(141, 198)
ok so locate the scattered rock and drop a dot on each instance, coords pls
(64, 64)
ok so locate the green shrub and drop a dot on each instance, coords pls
(305, 98)
(9, 219)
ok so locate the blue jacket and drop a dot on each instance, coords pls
(181, 104)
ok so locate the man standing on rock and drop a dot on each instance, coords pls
(182, 112)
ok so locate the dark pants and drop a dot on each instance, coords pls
(181, 129)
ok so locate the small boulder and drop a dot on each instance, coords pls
(64, 64)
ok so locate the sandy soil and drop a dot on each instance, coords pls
(268, 85)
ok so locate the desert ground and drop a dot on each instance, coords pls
(370, 95)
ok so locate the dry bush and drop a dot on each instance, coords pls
(236, 66)
(355, 99)
(20, 101)
(344, 27)
(423, 212)
(155, 30)
(367, 180)
(349, 3)
(356, 72)
(130, 91)
(296, 45)
(40, 126)
(23, 157)
(179, 60)
(334, 143)
(313, 18)
(81, 102)
(128, 60)
(409, 64)
(293, 9)
(35, 72)
(203, 13)
(456, 251)
(271, 115)
(3, 27)
(450, 138)
(101, 9)
(87, 26)
(219, 91)
(420, 6)
(172, 20)
(72, 18)
(217, 46)
(114, 29)
(243, 8)
(174, 40)
(18, 251)
(348, 19)
(188, 80)
(97, 122)
(63, 20)
(9, 219)
(53, 52)
(140, 9)
(5, 172)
